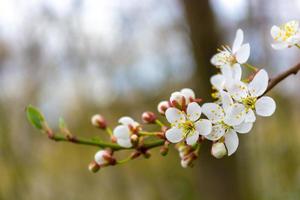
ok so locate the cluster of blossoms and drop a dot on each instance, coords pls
(238, 100)
(236, 104)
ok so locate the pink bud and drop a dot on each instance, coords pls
(148, 117)
(99, 121)
(163, 106)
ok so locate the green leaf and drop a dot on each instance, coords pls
(35, 117)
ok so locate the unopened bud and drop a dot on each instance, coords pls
(163, 106)
(94, 167)
(100, 157)
(134, 138)
(218, 150)
(189, 94)
(164, 151)
(184, 163)
(99, 121)
(148, 117)
(177, 100)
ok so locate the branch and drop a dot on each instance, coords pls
(274, 81)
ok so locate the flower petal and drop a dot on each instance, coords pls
(238, 91)
(216, 59)
(250, 116)
(193, 111)
(280, 45)
(231, 142)
(243, 54)
(126, 120)
(213, 112)
(124, 142)
(99, 157)
(122, 131)
(192, 138)
(188, 94)
(218, 81)
(244, 127)
(239, 37)
(236, 114)
(265, 106)
(275, 31)
(236, 72)
(259, 83)
(227, 101)
(174, 135)
(174, 115)
(203, 126)
(216, 133)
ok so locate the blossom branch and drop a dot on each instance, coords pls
(277, 79)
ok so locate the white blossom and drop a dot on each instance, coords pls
(186, 125)
(100, 157)
(124, 131)
(286, 35)
(186, 95)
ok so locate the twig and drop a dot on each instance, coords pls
(277, 79)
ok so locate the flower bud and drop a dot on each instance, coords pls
(99, 121)
(188, 94)
(163, 106)
(164, 150)
(218, 150)
(184, 163)
(178, 100)
(94, 167)
(148, 117)
(100, 157)
(134, 138)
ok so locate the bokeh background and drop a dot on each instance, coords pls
(75, 58)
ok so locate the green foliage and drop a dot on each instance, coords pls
(35, 117)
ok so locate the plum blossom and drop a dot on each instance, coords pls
(124, 131)
(187, 125)
(229, 60)
(286, 35)
(226, 124)
(184, 96)
(100, 157)
(250, 95)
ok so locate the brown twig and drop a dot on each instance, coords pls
(277, 79)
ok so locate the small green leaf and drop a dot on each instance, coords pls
(62, 124)
(35, 117)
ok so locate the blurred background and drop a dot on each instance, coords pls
(75, 58)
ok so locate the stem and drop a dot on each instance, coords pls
(159, 123)
(297, 45)
(109, 131)
(146, 133)
(250, 66)
(277, 79)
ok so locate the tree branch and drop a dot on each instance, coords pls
(277, 79)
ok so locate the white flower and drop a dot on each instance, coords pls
(250, 96)
(287, 35)
(163, 106)
(229, 60)
(124, 131)
(218, 150)
(187, 125)
(226, 124)
(185, 96)
(100, 157)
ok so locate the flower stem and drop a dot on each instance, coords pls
(250, 66)
(297, 45)
(158, 122)
(119, 162)
(146, 133)
(109, 131)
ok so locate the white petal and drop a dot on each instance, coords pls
(243, 53)
(188, 94)
(122, 131)
(203, 126)
(174, 135)
(126, 120)
(227, 101)
(193, 111)
(236, 115)
(215, 60)
(124, 143)
(191, 140)
(275, 31)
(174, 115)
(265, 106)
(259, 83)
(243, 127)
(213, 112)
(239, 37)
(178, 97)
(238, 91)
(216, 133)
(226, 71)
(236, 72)
(250, 116)
(280, 45)
(231, 142)
(218, 81)
(99, 157)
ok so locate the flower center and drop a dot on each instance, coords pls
(188, 128)
(249, 102)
